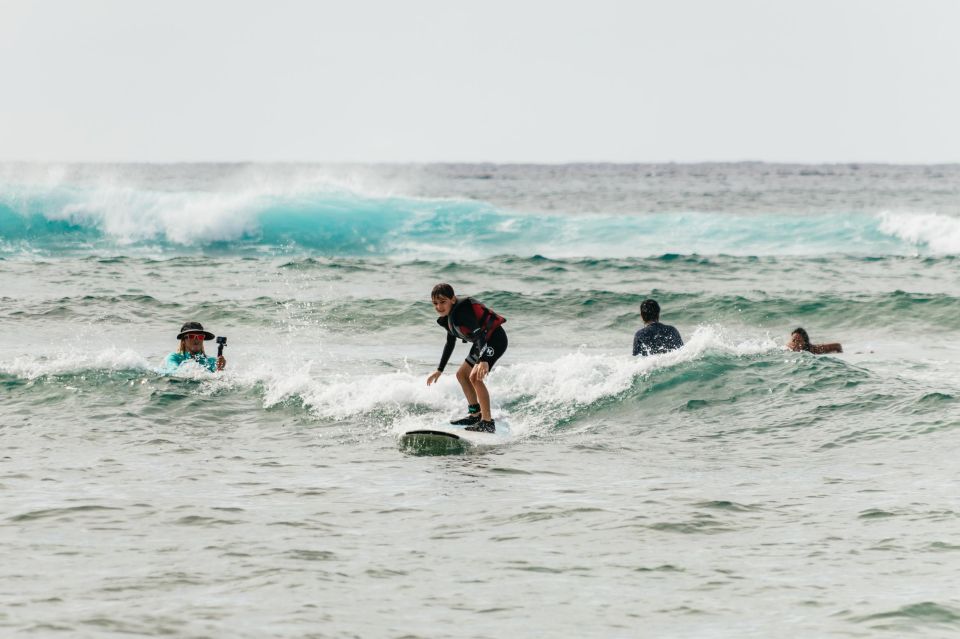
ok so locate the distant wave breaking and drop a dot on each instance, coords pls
(335, 221)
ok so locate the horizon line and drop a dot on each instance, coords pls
(482, 162)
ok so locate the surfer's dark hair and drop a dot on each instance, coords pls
(442, 290)
(803, 336)
(650, 311)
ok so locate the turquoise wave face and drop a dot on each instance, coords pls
(122, 220)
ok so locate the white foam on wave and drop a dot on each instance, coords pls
(940, 233)
(224, 210)
(583, 378)
(227, 203)
(129, 215)
(543, 391)
(544, 387)
(112, 359)
(333, 395)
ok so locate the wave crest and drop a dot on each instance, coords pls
(536, 394)
(314, 215)
(940, 233)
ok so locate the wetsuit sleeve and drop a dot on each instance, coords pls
(637, 344)
(447, 352)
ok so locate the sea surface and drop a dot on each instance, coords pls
(729, 489)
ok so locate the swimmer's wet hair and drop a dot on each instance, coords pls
(649, 311)
(442, 290)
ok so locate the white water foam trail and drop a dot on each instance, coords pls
(75, 362)
(581, 378)
(940, 233)
(547, 390)
(337, 396)
(546, 387)
(557, 389)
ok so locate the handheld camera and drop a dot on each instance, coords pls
(221, 342)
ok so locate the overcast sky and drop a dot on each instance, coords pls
(502, 81)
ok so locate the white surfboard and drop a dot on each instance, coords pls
(445, 438)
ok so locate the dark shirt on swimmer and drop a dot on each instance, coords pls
(656, 338)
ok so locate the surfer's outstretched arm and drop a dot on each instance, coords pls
(447, 352)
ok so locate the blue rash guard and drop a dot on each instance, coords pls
(655, 338)
(174, 360)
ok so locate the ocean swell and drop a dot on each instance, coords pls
(331, 221)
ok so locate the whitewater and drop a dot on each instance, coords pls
(732, 488)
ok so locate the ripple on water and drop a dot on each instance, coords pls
(660, 568)
(728, 506)
(384, 573)
(525, 567)
(933, 401)
(311, 555)
(875, 513)
(148, 625)
(58, 512)
(704, 525)
(926, 612)
(544, 514)
(197, 520)
(46, 628)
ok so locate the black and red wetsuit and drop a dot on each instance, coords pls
(471, 321)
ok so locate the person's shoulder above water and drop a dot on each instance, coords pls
(655, 338)
(800, 341)
(173, 361)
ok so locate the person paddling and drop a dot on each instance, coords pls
(469, 320)
(800, 341)
(192, 336)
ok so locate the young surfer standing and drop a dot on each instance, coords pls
(469, 320)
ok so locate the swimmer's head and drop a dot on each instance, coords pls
(799, 340)
(650, 311)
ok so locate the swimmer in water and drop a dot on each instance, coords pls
(800, 341)
(654, 337)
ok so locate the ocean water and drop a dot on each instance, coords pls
(729, 489)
